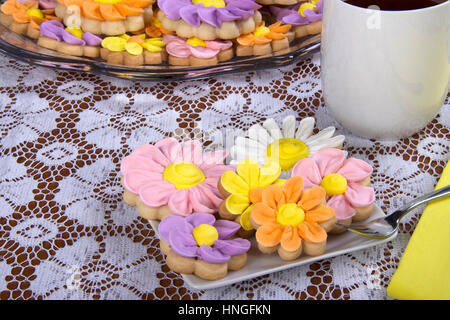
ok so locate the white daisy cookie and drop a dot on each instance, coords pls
(287, 144)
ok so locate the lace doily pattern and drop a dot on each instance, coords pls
(65, 231)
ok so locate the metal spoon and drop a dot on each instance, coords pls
(382, 228)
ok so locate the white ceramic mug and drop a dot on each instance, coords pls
(385, 74)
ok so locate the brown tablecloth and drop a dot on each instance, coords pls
(67, 234)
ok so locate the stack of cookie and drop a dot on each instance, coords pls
(182, 32)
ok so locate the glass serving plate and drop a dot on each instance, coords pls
(25, 49)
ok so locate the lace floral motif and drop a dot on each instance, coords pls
(66, 233)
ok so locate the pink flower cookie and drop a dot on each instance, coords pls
(346, 181)
(169, 178)
(197, 52)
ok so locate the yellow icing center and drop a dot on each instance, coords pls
(261, 31)
(183, 175)
(287, 152)
(75, 31)
(205, 234)
(34, 12)
(209, 3)
(290, 214)
(334, 184)
(306, 6)
(196, 42)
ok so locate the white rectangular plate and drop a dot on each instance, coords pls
(259, 264)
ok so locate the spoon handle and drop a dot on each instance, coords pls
(397, 215)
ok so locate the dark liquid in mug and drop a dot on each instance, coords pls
(395, 5)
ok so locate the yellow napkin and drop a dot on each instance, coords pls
(424, 270)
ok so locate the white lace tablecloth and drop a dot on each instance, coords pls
(65, 232)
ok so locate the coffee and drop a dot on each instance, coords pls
(395, 5)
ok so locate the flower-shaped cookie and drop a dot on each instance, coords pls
(201, 245)
(169, 178)
(264, 40)
(209, 19)
(291, 220)
(133, 50)
(305, 17)
(197, 52)
(242, 189)
(108, 17)
(346, 182)
(24, 17)
(71, 41)
(286, 145)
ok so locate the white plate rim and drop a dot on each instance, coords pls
(201, 284)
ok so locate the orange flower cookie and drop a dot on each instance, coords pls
(291, 220)
(133, 50)
(24, 17)
(108, 17)
(265, 40)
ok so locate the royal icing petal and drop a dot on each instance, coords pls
(156, 193)
(307, 169)
(269, 234)
(359, 196)
(212, 255)
(237, 203)
(290, 239)
(273, 196)
(198, 218)
(183, 244)
(263, 214)
(329, 160)
(179, 202)
(173, 224)
(232, 247)
(233, 183)
(170, 149)
(355, 170)
(342, 208)
(136, 178)
(226, 228)
(312, 232)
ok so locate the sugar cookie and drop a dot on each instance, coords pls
(73, 41)
(106, 17)
(264, 40)
(133, 50)
(290, 220)
(305, 17)
(197, 52)
(346, 181)
(172, 178)
(201, 245)
(217, 27)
